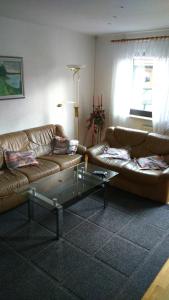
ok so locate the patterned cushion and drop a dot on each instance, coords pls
(118, 153)
(154, 162)
(60, 145)
(73, 145)
(64, 146)
(16, 159)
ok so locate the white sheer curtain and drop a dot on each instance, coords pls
(122, 64)
(121, 83)
(160, 99)
(122, 92)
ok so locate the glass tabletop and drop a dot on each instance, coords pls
(67, 184)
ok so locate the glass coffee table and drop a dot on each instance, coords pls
(60, 190)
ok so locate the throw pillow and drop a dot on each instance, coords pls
(16, 159)
(118, 153)
(154, 162)
(60, 145)
(73, 145)
(64, 146)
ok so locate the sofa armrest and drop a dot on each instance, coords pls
(96, 150)
(165, 174)
(81, 149)
(59, 130)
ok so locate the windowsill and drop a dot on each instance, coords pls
(140, 117)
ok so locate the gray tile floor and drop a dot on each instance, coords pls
(105, 254)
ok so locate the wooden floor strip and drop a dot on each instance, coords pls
(159, 289)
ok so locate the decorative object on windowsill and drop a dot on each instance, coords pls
(96, 120)
(76, 80)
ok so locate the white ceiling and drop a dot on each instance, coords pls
(91, 16)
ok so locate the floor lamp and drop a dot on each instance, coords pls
(76, 81)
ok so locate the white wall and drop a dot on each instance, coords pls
(103, 73)
(46, 51)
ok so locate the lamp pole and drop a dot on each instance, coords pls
(76, 81)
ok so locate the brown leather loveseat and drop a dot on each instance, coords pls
(153, 184)
(40, 140)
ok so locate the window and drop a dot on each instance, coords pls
(141, 103)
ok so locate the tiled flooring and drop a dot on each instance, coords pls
(104, 254)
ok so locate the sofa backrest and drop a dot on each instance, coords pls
(140, 143)
(15, 141)
(128, 136)
(125, 136)
(1, 158)
(132, 139)
(38, 139)
(158, 144)
(41, 138)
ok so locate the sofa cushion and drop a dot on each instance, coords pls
(15, 141)
(118, 153)
(158, 144)
(17, 159)
(132, 172)
(62, 145)
(73, 146)
(154, 162)
(64, 161)
(128, 136)
(109, 163)
(41, 138)
(11, 180)
(110, 138)
(140, 150)
(44, 168)
(1, 158)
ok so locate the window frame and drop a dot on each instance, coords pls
(139, 112)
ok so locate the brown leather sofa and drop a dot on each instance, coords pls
(40, 140)
(153, 184)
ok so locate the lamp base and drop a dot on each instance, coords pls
(76, 122)
(76, 110)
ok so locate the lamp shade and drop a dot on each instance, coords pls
(75, 67)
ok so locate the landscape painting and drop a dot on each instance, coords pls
(11, 78)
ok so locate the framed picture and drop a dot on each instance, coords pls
(11, 78)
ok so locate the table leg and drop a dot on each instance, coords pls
(30, 209)
(59, 221)
(104, 198)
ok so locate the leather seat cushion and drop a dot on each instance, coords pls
(109, 163)
(11, 180)
(134, 173)
(44, 168)
(64, 161)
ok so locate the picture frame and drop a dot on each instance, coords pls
(11, 78)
